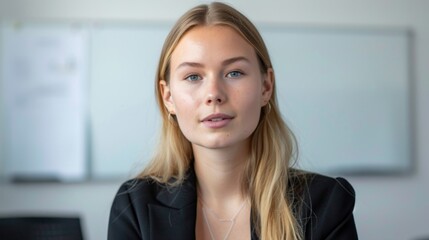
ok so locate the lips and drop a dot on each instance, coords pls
(216, 121)
(216, 117)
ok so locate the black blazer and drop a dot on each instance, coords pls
(144, 209)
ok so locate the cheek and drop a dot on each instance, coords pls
(250, 103)
(184, 105)
(250, 96)
(182, 98)
(253, 112)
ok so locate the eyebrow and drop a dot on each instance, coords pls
(224, 63)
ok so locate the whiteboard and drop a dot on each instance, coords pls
(346, 95)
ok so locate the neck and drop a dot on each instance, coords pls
(220, 173)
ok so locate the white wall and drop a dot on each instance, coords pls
(387, 207)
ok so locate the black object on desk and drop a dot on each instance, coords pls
(40, 228)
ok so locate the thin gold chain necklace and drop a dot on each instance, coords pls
(232, 220)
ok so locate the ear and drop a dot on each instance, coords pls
(267, 86)
(166, 96)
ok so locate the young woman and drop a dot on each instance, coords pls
(222, 169)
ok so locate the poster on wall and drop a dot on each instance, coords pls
(44, 85)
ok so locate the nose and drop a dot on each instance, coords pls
(215, 91)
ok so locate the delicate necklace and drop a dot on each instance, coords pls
(232, 220)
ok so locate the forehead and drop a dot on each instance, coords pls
(205, 43)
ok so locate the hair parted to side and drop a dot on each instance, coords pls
(266, 178)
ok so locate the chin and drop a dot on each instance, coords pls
(217, 144)
(212, 145)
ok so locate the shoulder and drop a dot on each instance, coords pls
(140, 188)
(128, 211)
(141, 206)
(327, 207)
(323, 188)
(316, 188)
(133, 194)
(135, 188)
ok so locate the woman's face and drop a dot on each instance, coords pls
(216, 88)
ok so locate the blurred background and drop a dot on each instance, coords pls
(77, 114)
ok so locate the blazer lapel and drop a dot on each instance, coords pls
(175, 217)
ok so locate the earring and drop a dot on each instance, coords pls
(171, 118)
(268, 106)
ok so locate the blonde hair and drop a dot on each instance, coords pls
(267, 174)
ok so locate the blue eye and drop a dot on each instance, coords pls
(193, 78)
(234, 74)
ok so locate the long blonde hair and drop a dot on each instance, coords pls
(267, 173)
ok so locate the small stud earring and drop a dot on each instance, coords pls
(171, 118)
(268, 106)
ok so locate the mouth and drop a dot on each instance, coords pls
(217, 117)
(217, 120)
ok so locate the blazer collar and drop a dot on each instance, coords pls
(182, 195)
(174, 216)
